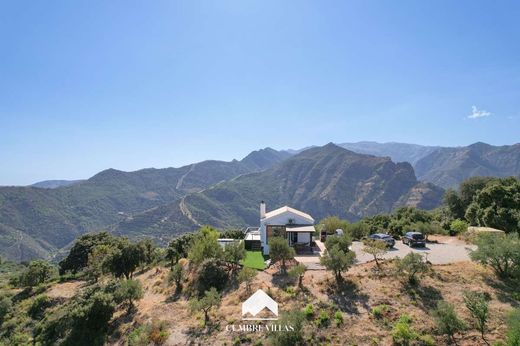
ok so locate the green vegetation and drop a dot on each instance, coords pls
(338, 318)
(458, 226)
(513, 328)
(412, 265)
(323, 319)
(210, 300)
(176, 275)
(403, 334)
(375, 248)
(129, 291)
(234, 254)
(331, 224)
(294, 318)
(447, 320)
(280, 251)
(298, 271)
(36, 273)
(205, 246)
(247, 275)
(254, 259)
(154, 333)
(502, 253)
(338, 258)
(478, 307)
(309, 311)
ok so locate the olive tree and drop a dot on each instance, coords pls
(210, 300)
(280, 251)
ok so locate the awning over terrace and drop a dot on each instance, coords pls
(300, 229)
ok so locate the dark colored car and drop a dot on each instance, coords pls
(414, 239)
(390, 242)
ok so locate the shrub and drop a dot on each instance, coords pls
(412, 265)
(280, 251)
(158, 333)
(502, 253)
(513, 328)
(38, 306)
(458, 226)
(210, 300)
(338, 318)
(5, 307)
(210, 274)
(448, 323)
(323, 319)
(176, 275)
(426, 340)
(295, 319)
(298, 271)
(375, 248)
(247, 275)
(358, 230)
(378, 311)
(36, 273)
(309, 311)
(129, 291)
(402, 333)
(337, 260)
(478, 307)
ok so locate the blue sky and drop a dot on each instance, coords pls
(88, 85)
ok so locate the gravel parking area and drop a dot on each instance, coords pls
(447, 250)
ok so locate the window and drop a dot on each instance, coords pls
(274, 231)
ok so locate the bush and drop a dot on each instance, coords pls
(513, 328)
(293, 318)
(502, 253)
(478, 307)
(36, 273)
(448, 323)
(210, 274)
(5, 307)
(309, 311)
(323, 319)
(338, 318)
(358, 230)
(426, 340)
(412, 265)
(38, 306)
(378, 311)
(458, 226)
(402, 333)
(129, 291)
(247, 275)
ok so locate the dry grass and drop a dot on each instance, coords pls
(363, 289)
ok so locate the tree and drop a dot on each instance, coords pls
(124, 260)
(146, 250)
(210, 300)
(459, 226)
(77, 259)
(96, 265)
(448, 323)
(502, 253)
(375, 248)
(38, 272)
(233, 254)
(426, 229)
(337, 261)
(478, 307)
(205, 245)
(176, 275)
(298, 271)
(343, 241)
(247, 275)
(497, 205)
(454, 204)
(129, 291)
(358, 230)
(294, 318)
(332, 223)
(178, 248)
(280, 251)
(412, 265)
(210, 274)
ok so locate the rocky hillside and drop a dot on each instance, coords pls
(398, 152)
(36, 221)
(448, 167)
(322, 181)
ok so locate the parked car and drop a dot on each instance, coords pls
(414, 239)
(390, 242)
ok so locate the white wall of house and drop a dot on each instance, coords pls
(282, 219)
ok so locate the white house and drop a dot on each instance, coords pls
(295, 226)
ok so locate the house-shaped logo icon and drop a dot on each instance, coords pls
(257, 303)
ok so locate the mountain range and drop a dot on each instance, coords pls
(370, 178)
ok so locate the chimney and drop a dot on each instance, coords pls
(262, 210)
